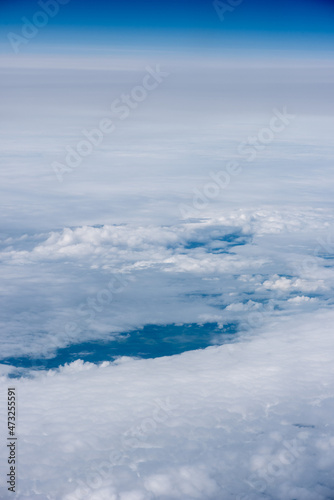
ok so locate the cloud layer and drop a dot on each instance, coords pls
(109, 250)
(234, 421)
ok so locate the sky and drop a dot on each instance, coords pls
(306, 16)
(175, 24)
(162, 166)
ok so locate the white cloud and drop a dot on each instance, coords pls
(227, 267)
(207, 424)
(284, 284)
(189, 425)
(301, 298)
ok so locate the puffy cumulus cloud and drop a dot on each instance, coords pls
(250, 305)
(284, 284)
(239, 421)
(301, 299)
(91, 281)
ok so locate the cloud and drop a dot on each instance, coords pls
(106, 253)
(284, 284)
(227, 267)
(204, 424)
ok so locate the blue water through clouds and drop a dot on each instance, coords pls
(152, 341)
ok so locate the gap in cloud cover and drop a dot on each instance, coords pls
(152, 341)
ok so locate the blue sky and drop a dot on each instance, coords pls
(300, 16)
(252, 24)
(307, 16)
